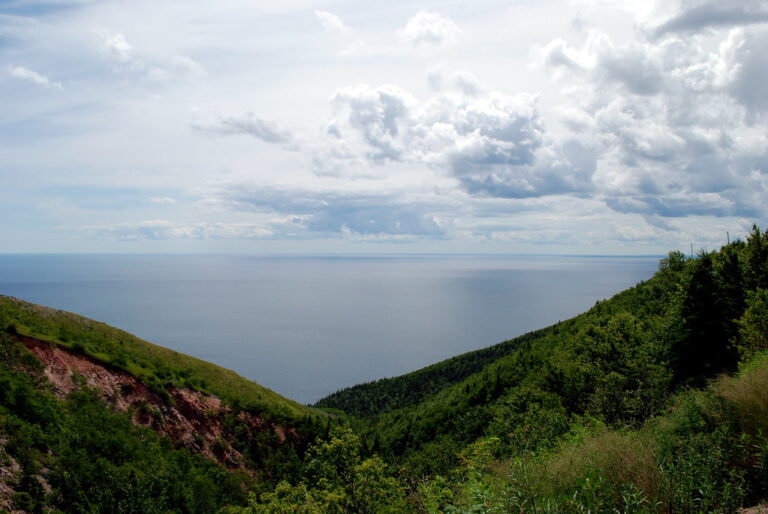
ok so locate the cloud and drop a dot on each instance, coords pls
(356, 48)
(744, 55)
(493, 144)
(697, 16)
(165, 230)
(331, 22)
(247, 124)
(430, 30)
(377, 115)
(665, 129)
(115, 43)
(677, 130)
(162, 200)
(335, 212)
(23, 73)
(680, 205)
(460, 81)
(157, 69)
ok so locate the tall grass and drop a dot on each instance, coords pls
(707, 453)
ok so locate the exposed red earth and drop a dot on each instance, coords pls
(191, 419)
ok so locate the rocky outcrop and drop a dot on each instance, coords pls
(191, 419)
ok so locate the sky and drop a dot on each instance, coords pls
(242, 126)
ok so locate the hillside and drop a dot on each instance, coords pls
(87, 409)
(154, 365)
(616, 367)
(618, 361)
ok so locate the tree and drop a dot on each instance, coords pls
(756, 260)
(703, 348)
(753, 325)
(337, 480)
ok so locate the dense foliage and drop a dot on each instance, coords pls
(601, 380)
(388, 394)
(619, 362)
(75, 455)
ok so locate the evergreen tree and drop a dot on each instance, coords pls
(703, 347)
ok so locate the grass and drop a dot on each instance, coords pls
(707, 453)
(155, 365)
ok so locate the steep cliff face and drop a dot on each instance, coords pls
(199, 422)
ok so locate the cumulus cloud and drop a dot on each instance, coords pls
(331, 22)
(430, 30)
(164, 230)
(378, 116)
(678, 130)
(493, 144)
(23, 73)
(695, 16)
(744, 59)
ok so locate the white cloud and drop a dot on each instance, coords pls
(430, 29)
(356, 48)
(309, 212)
(461, 81)
(164, 230)
(23, 73)
(493, 144)
(674, 124)
(162, 200)
(154, 68)
(247, 124)
(331, 22)
(115, 44)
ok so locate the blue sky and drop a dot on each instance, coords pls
(582, 126)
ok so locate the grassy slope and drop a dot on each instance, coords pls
(153, 364)
(706, 453)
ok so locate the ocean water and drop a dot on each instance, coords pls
(308, 326)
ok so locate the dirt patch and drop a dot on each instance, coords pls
(191, 419)
(10, 472)
(758, 509)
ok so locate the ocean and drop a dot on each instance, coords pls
(308, 326)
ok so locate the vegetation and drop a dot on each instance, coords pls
(655, 400)
(155, 365)
(75, 455)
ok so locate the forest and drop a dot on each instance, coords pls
(655, 400)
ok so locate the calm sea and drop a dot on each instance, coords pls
(307, 326)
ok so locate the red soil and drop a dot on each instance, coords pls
(192, 420)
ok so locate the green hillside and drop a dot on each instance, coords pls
(75, 455)
(155, 365)
(388, 394)
(617, 362)
(626, 380)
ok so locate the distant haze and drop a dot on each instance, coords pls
(306, 327)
